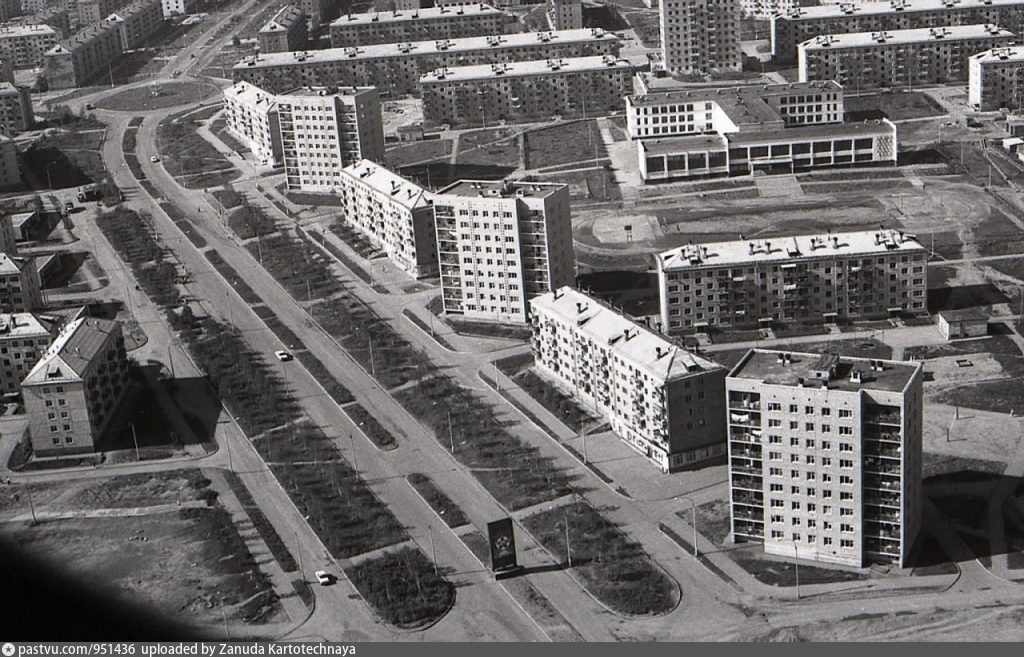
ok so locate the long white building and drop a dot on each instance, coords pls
(900, 58)
(996, 79)
(828, 277)
(251, 116)
(395, 214)
(501, 244)
(402, 26)
(396, 69)
(825, 456)
(662, 400)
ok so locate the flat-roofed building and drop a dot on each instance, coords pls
(324, 130)
(565, 14)
(10, 168)
(395, 214)
(873, 60)
(84, 56)
(996, 79)
(285, 31)
(20, 290)
(500, 244)
(56, 17)
(74, 391)
(321, 12)
(23, 339)
(828, 277)
(25, 45)
(793, 27)
(401, 26)
(15, 109)
(825, 456)
(700, 36)
(178, 7)
(6, 70)
(789, 150)
(472, 95)
(137, 22)
(765, 9)
(676, 112)
(663, 401)
(396, 69)
(9, 9)
(251, 116)
(91, 12)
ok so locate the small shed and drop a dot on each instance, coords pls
(965, 323)
(1015, 125)
(1013, 144)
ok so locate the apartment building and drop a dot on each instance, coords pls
(6, 70)
(474, 95)
(831, 277)
(663, 401)
(285, 31)
(323, 130)
(74, 391)
(138, 21)
(700, 36)
(765, 9)
(501, 244)
(504, 4)
(91, 12)
(825, 456)
(655, 112)
(403, 26)
(10, 168)
(321, 12)
(396, 69)
(996, 79)
(873, 60)
(20, 289)
(16, 113)
(8, 234)
(9, 9)
(793, 27)
(565, 14)
(24, 45)
(251, 116)
(85, 56)
(56, 17)
(23, 339)
(395, 214)
(178, 7)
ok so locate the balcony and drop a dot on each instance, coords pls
(881, 499)
(745, 469)
(891, 418)
(744, 419)
(748, 514)
(885, 436)
(881, 482)
(746, 452)
(745, 435)
(746, 482)
(877, 466)
(882, 451)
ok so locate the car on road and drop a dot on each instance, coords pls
(154, 158)
(283, 356)
(324, 578)
(69, 207)
(89, 106)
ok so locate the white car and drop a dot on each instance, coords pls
(283, 356)
(324, 578)
(154, 159)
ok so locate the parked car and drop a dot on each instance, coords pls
(324, 578)
(69, 207)
(154, 158)
(283, 356)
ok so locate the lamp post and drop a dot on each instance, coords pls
(693, 523)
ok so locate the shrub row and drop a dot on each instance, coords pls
(442, 505)
(131, 235)
(259, 520)
(403, 587)
(373, 429)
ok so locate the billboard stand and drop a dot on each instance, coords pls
(502, 538)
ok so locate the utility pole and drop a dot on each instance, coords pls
(795, 556)
(433, 553)
(135, 439)
(352, 446)
(369, 342)
(451, 435)
(170, 360)
(298, 551)
(568, 552)
(31, 506)
(693, 524)
(583, 433)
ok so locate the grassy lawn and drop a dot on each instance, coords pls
(232, 277)
(157, 96)
(997, 235)
(193, 162)
(403, 588)
(562, 406)
(250, 221)
(488, 147)
(573, 141)
(228, 198)
(373, 429)
(590, 184)
(442, 505)
(997, 396)
(132, 236)
(420, 151)
(775, 572)
(613, 568)
(299, 267)
(713, 520)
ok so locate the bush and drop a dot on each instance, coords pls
(299, 268)
(403, 588)
(442, 505)
(250, 221)
(373, 429)
(131, 235)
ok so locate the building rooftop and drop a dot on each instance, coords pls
(8, 89)
(796, 369)
(402, 16)
(501, 189)
(320, 92)
(283, 20)
(400, 190)
(686, 143)
(12, 264)
(965, 314)
(250, 94)
(519, 69)
(25, 29)
(996, 55)
(723, 95)
(891, 7)
(803, 132)
(386, 50)
(899, 37)
(18, 325)
(68, 357)
(781, 249)
(645, 349)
